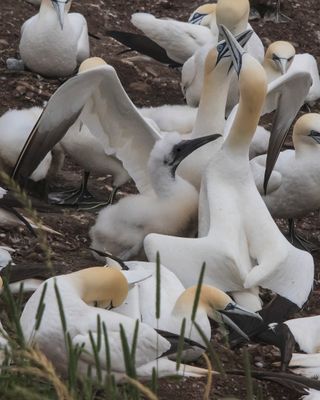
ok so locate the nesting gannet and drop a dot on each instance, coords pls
(243, 248)
(54, 42)
(108, 287)
(176, 303)
(15, 127)
(168, 206)
(294, 173)
(234, 15)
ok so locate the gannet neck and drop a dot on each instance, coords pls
(211, 300)
(107, 286)
(213, 100)
(233, 14)
(253, 89)
(306, 135)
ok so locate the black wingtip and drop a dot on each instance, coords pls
(105, 254)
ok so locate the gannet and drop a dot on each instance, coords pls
(15, 127)
(169, 205)
(312, 394)
(234, 15)
(108, 287)
(281, 55)
(295, 172)
(54, 42)
(243, 248)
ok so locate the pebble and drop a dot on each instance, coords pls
(15, 65)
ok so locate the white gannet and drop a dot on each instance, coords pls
(168, 206)
(54, 42)
(281, 55)
(243, 248)
(108, 287)
(295, 172)
(306, 332)
(312, 394)
(15, 127)
(176, 303)
(234, 15)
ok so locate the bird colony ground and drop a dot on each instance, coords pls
(147, 84)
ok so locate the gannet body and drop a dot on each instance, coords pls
(54, 42)
(312, 394)
(307, 365)
(239, 254)
(295, 172)
(15, 127)
(310, 342)
(108, 287)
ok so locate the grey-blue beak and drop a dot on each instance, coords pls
(236, 51)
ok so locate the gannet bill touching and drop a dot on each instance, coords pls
(15, 127)
(54, 42)
(169, 206)
(108, 287)
(239, 254)
(234, 15)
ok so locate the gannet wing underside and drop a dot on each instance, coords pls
(289, 92)
(116, 122)
(144, 45)
(62, 110)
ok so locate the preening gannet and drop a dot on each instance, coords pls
(15, 127)
(108, 287)
(54, 42)
(240, 255)
(168, 206)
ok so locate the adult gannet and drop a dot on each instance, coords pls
(169, 205)
(15, 127)
(281, 55)
(108, 287)
(54, 42)
(243, 248)
(295, 172)
(234, 15)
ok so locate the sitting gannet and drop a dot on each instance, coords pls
(243, 248)
(54, 42)
(108, 288)
(294, 173)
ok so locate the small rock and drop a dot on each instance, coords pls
(15, 65)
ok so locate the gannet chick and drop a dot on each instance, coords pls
(169, 207)
(294, 186)
(54, 42)
(109, 288)
(15, 127)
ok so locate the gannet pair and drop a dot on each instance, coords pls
(243, 248)
(107, 287)
(53, 42)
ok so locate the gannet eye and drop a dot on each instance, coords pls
(275, 57)
(220, 47)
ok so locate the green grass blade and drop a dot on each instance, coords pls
(198, 292)
(180, 344)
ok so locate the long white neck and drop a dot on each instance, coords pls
(211, 113)
(252, 85)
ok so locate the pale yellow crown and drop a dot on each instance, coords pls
(90, 63)
(206, 9)
(233, 14)
(307, 123)
(281, 49)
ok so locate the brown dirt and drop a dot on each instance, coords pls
(146, 84)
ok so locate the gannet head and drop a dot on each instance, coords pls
(212, 300)
(91, 63)
(202, 15)
(61, 7)
(171, 150)
(106, 286)
(233, 14)
(307, 130)
(280, 55)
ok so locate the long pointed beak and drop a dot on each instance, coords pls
(235, 309)
(223, 49)
(228, 321)
(236, 51)
(186, 147)
(283, 65)
(59, 8)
